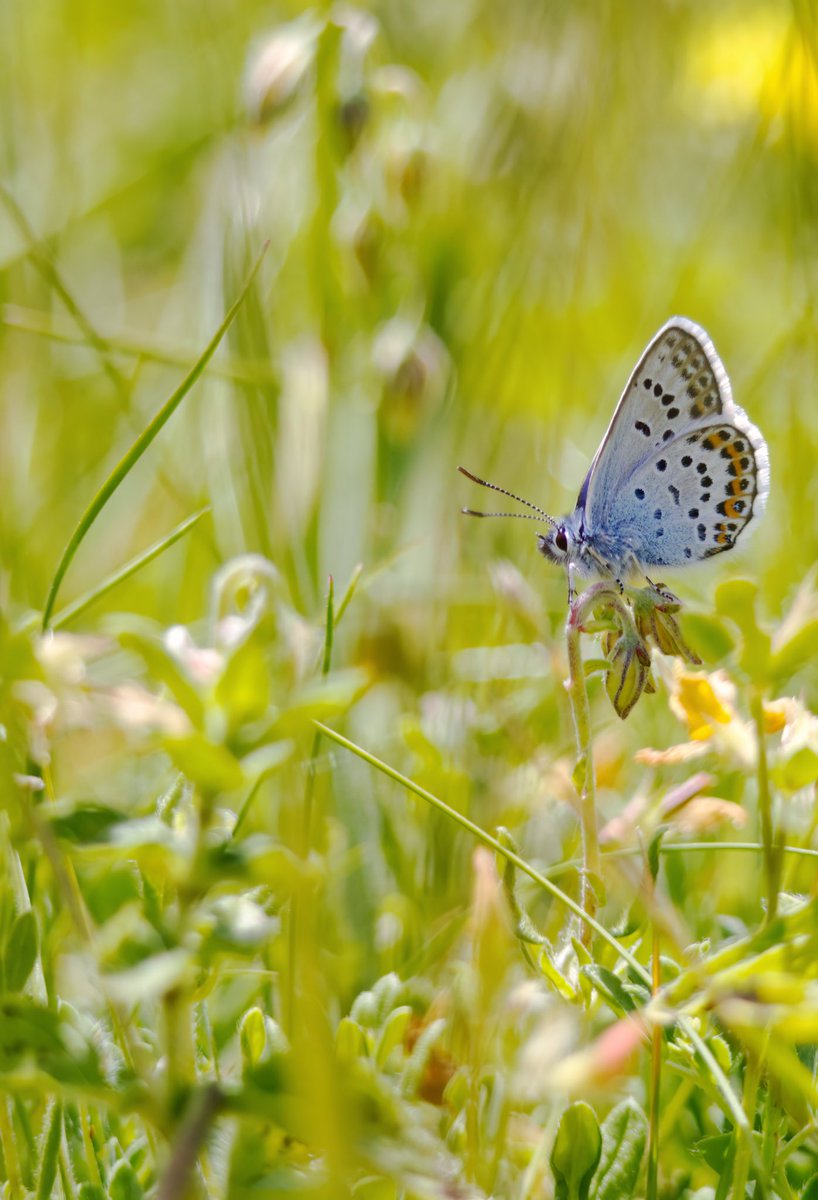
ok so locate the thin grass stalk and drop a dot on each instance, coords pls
(48, 269)
(732, 1102)
(132, 457)
(297, 902)
(141, 347)
(83, 602)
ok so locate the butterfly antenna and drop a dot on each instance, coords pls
(473, 512)
(511, 495)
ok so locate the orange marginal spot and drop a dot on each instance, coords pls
(731, 511)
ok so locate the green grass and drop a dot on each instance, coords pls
(317, 878)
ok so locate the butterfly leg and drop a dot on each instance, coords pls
(661, 590)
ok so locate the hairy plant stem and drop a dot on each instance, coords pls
(584, 774)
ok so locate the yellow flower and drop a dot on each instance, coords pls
(702, 701)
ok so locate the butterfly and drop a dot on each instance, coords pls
(678, 477)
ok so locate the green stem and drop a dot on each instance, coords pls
(772, 856)
(296, 904)
(201, 1112)
(741, 1162)
(47, 268)
(16, 1191)
(652, 1189)
(78, 606)
(130, 459)
(236, 370)
(584, 773)
(685, 1024)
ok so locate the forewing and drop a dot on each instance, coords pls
(693, 497)
(678, 384)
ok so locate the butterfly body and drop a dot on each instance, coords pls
(679, 475)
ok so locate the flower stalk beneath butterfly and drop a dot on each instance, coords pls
(629, 627)
(581, 610)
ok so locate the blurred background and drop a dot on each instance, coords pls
(478, 215)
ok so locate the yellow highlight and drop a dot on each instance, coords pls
(756, 62)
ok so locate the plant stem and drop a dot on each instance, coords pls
(685, 1024)
(584, 774)
(741, 1163)
(16, 1191)
(652, 1189)
(772, 855)
(201, 1112)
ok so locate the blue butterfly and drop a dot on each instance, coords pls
(680, 473)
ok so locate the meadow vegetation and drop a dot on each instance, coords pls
(317, 880)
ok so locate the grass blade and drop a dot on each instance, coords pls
(493, 843)
(125, 465)
(731, 1100)
(73, 610)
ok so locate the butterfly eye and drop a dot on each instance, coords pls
(560, 540)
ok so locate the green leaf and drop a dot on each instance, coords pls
(51, 1149)
(386, 991)
(798, 650)
(610, 987)
(736, 599)
(797, 771)
(524, 927)
(624, 1134)
(365, 1010)
(50, 1040)
(243, 689)
(708, 636)
(393, 1033)
(124, 1183)
(323, 697)
(20, 951)
(350, 1041)
(252, 1037)
(655, 851)
(83, 823)
(554, 975)
(207, 765)
(375, 1189)
(715, 1149)
(576, 1153)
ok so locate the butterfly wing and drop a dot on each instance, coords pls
(691, 499)
(676, 426)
